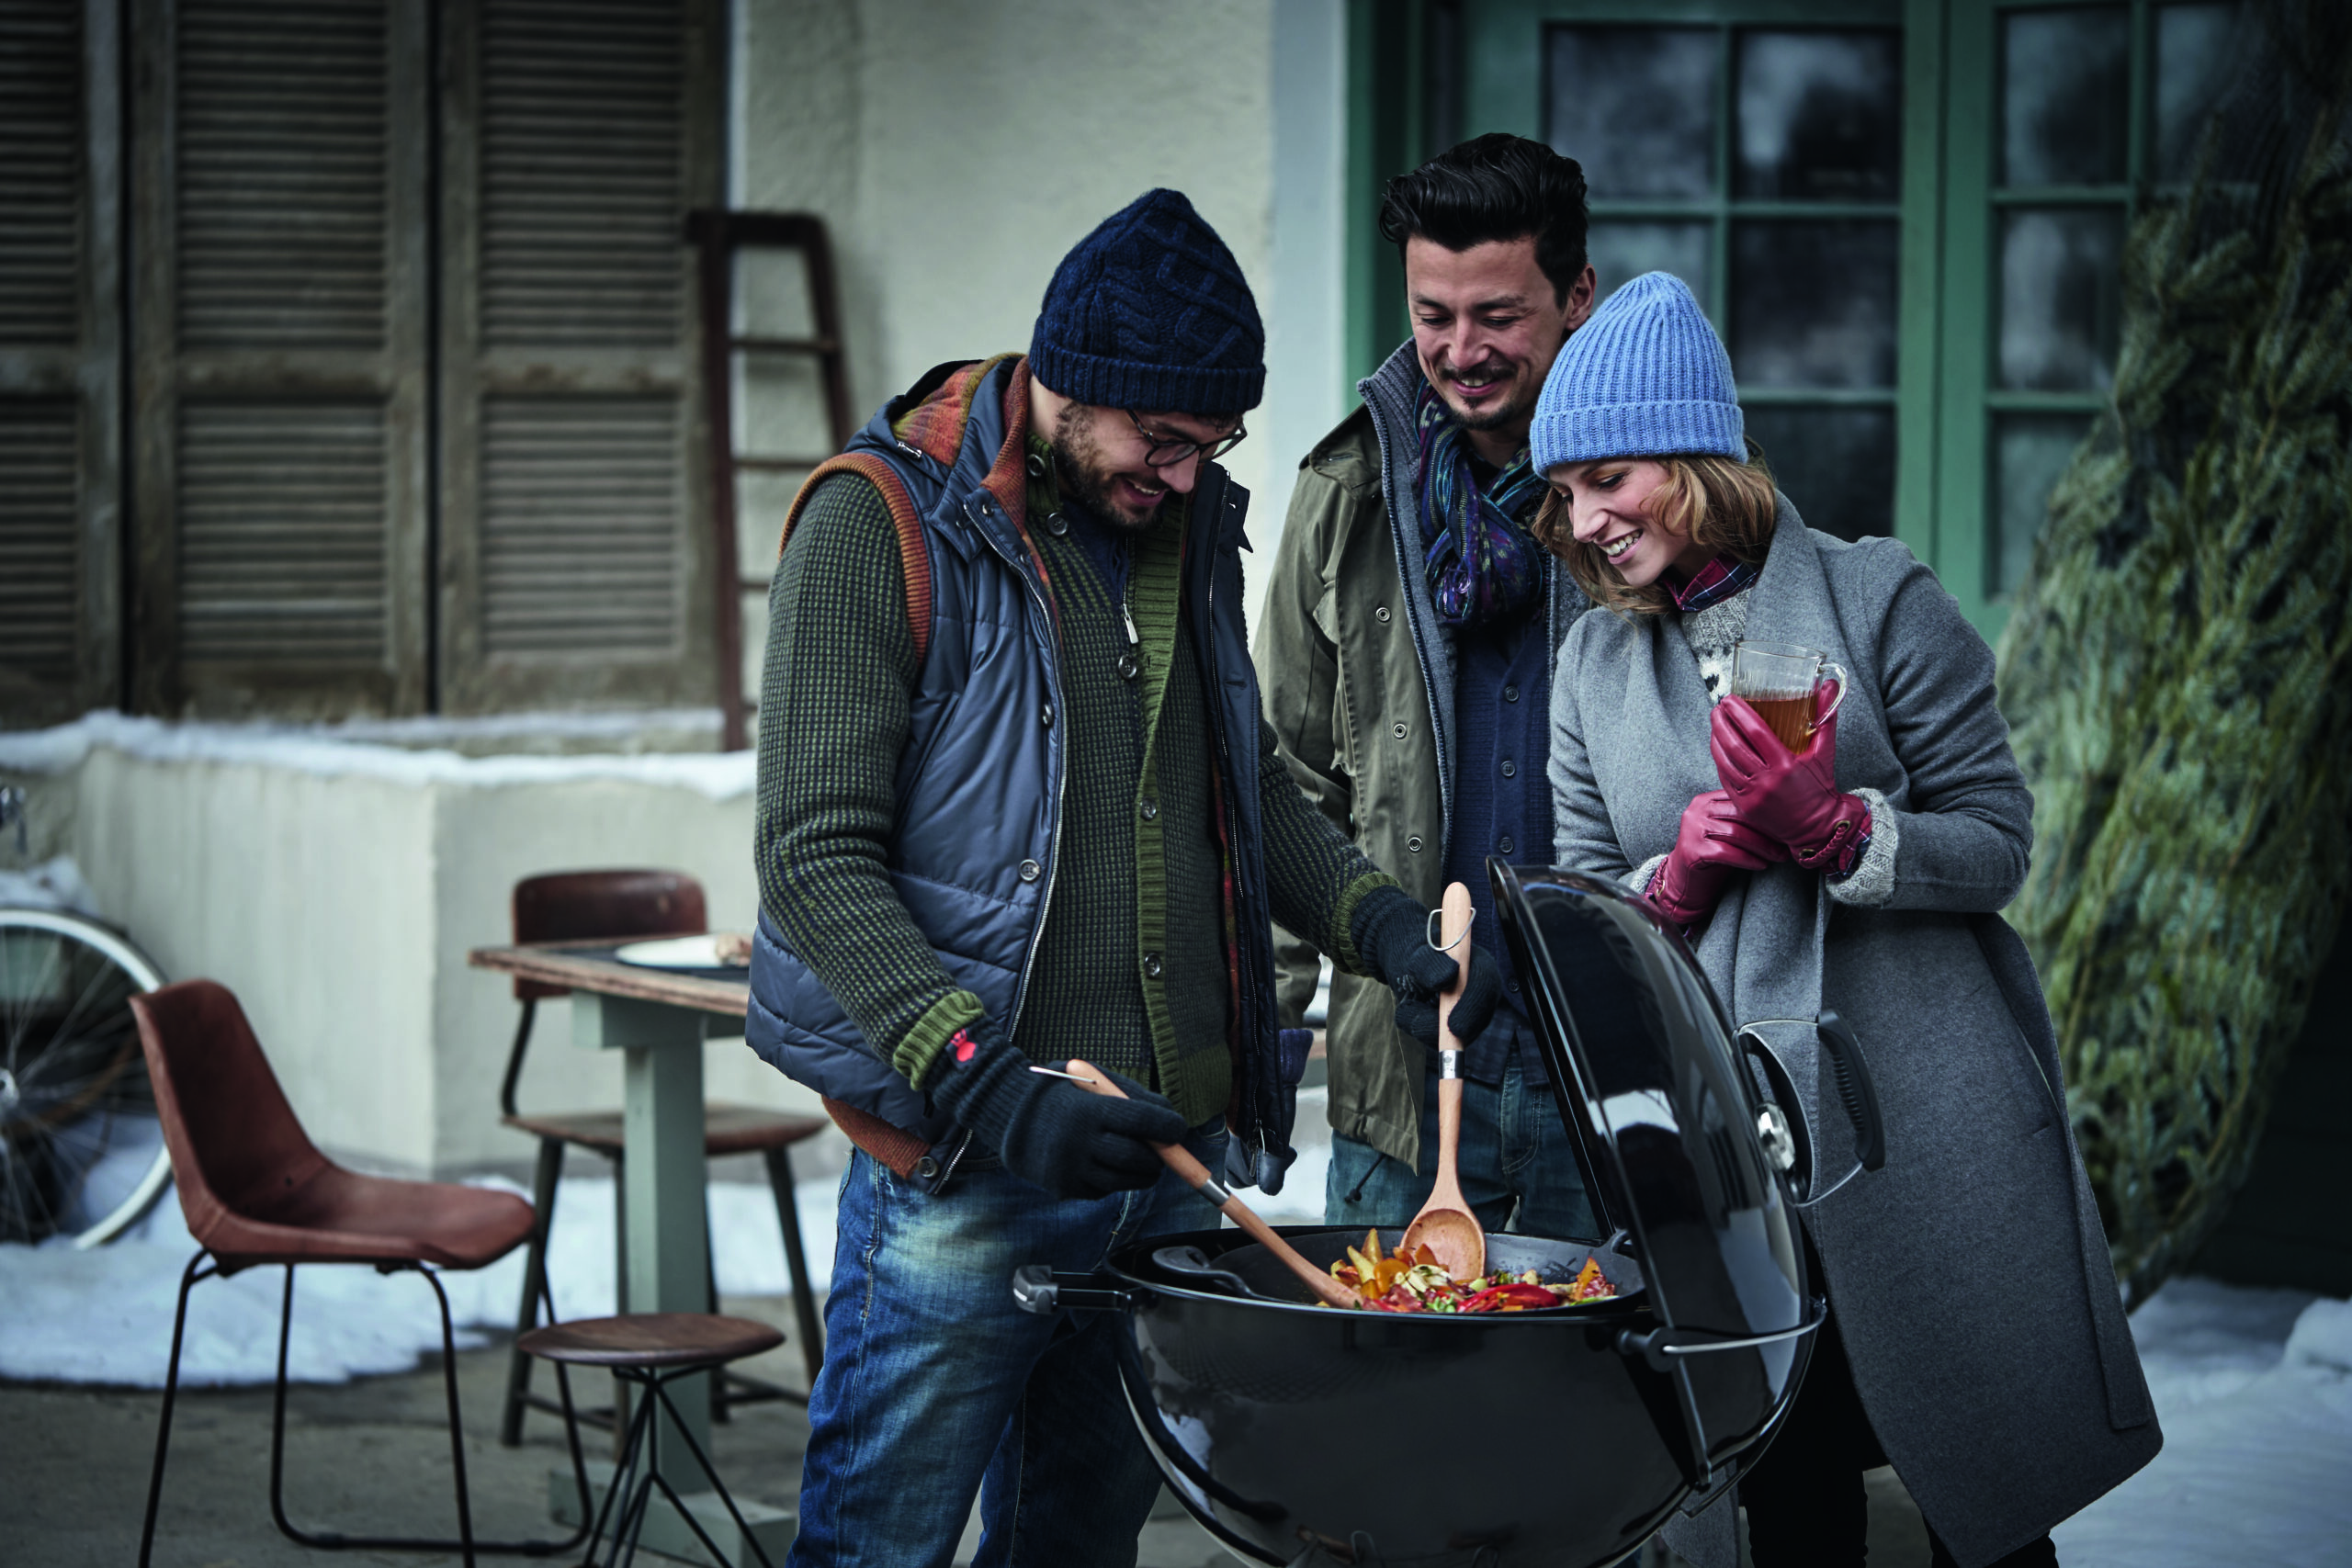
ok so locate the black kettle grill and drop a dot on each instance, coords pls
(1300, 1434)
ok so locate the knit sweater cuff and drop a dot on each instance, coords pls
(1872, 882)
(1342, 945)
(921, 1046)
(1638, 879)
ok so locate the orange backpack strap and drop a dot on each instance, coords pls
(914, 559)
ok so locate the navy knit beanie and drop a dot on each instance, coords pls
(1151, 311)
(1646, 377)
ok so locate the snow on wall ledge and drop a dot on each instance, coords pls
(336, 881)
(396, 751)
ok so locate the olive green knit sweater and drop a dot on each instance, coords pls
(1133, 969)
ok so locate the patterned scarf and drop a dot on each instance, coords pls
(1712, 583)
(1483, 564)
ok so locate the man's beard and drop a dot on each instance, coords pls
(1087, 479)
(1509, 410)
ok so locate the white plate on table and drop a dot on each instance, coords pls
(677, 952)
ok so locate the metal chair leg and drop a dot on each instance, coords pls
(329, 1541)
(188, 1276)
(535, 1288)
(804, 1294)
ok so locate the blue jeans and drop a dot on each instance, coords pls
(936, 1386)
(1517, 1168)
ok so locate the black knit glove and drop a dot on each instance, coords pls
(1067, 1140)
(1391, 933)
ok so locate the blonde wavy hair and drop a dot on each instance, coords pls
(1724, 504)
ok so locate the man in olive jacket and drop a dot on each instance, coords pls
(1406, 649)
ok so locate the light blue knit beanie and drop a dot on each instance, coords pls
(1645, 377)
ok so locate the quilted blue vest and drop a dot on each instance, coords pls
(972, 856)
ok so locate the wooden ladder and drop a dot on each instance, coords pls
(728, 338)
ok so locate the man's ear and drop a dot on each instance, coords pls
(1582, 295)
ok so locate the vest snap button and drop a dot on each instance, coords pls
(1036, 467)
(1381, 615)
(1398, 730)
(1414, 843)
(927, 1167)
(1031, 871)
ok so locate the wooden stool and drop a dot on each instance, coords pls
(652, 1349)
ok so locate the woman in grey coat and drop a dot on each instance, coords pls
(1977, 1339)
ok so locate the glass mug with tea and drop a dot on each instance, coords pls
(1782, 683)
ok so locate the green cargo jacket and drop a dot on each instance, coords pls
(1358, 678)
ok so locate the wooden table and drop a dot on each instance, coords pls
(658, 1021)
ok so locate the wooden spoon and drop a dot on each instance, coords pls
(1181, 1162)
(1445, 1225)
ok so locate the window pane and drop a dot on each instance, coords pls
(1836, 464)
(1820, 117)
(1813, 303)
(2062, 297)
(2029, 452)
(2065, 91)
(1636, 107)
(1623, 251)
(2193, 57)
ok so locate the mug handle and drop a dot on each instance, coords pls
(1837, 702)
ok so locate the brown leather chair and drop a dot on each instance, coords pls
(257, 1190)
(587, 906)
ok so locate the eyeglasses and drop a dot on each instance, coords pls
(1167, 451)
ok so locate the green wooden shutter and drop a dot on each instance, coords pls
(576, 550)
(59, 422)
(279, 365)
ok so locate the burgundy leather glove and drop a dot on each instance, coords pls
(1792, 796)
(1714, 843)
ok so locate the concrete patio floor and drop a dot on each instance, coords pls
(372, 1456)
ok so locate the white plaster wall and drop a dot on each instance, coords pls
(308, 895)
(959, 148)
(340, 905)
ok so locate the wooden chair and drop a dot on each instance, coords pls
(648, 1351)
(585, 907)
(257, 1190)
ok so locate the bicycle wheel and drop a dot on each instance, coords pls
(81, 1152)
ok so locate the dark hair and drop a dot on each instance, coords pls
(1497, 186)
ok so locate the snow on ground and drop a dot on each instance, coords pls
(2253, 1387)
(2254, 1392)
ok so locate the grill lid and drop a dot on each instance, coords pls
(1682, 1151)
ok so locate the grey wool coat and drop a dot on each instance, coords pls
(1970, 1275)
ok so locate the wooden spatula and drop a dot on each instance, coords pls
(1181, 1162)
(1445, 1225)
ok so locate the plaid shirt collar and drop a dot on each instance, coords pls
(1712, 583)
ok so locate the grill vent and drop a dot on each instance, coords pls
(283, 149)
(582, 526)
(282, 532)
(38, 539)
(40, 188)
(582, 150)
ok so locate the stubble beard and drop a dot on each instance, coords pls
(1088, 479)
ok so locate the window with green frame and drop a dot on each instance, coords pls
(1906, 217)
(2065, 120)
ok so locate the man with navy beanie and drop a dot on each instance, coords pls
(1018, 810)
